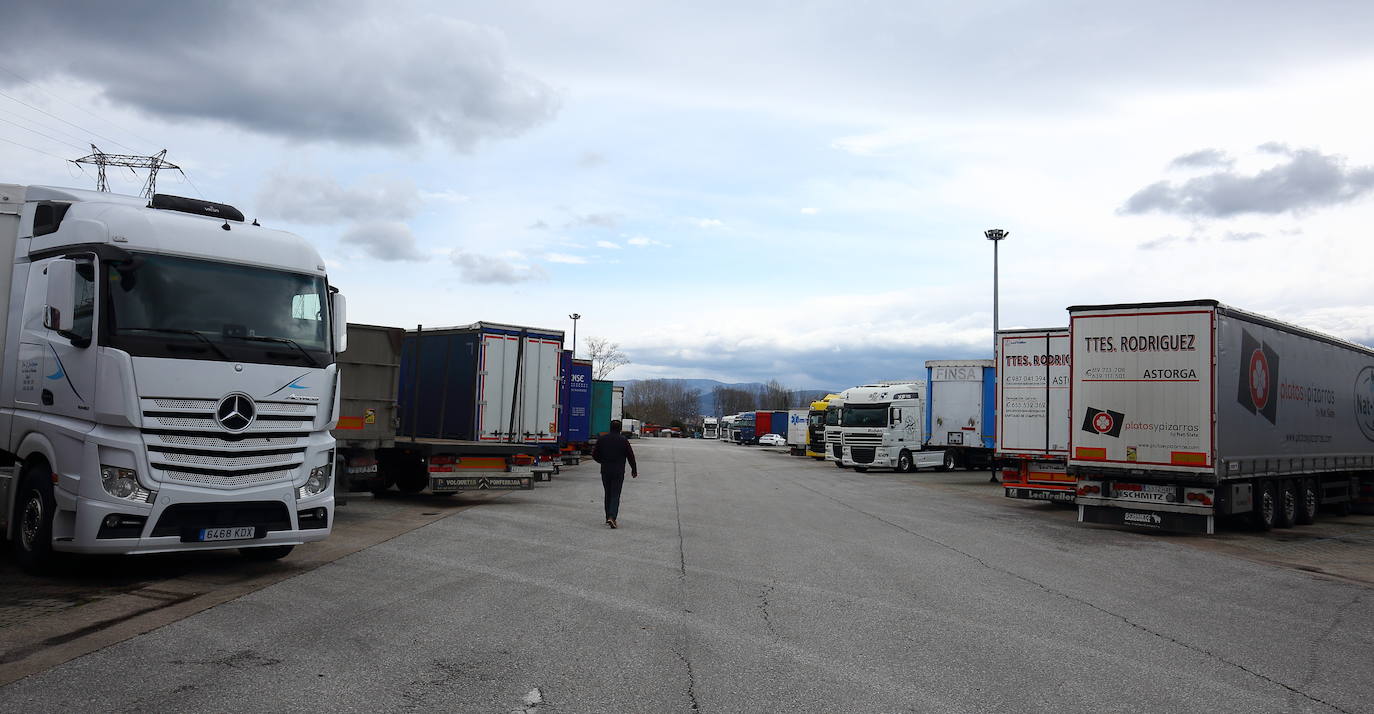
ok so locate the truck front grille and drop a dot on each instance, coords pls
(181, 518)
(187, 445)
(863, 439)
(862, 454)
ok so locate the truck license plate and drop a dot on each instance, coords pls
(237, 533)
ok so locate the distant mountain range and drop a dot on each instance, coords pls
(708, 402)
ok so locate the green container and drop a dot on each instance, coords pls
(601, 406)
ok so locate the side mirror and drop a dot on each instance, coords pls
(59, 313)
(338, 314)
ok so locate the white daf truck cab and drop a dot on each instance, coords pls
(880, 427)
(168, 379)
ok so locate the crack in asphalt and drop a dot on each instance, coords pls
(1315, 648)
(763, 606)
(1080, 601)
(685, 652)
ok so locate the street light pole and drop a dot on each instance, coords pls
(575, 317)
(996, 235)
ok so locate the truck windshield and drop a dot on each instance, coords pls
(816, 419)
(832, 416)
(165, 306)
(866, 415)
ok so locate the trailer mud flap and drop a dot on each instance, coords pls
(1149, 520)
(1036, 494)
(449, 484)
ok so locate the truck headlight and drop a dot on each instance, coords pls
(121, 483)
(318, 482)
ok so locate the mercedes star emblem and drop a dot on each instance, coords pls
(235, 412)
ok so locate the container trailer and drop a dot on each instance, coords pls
(1033, 414)
(575, 407)
(1183, 412)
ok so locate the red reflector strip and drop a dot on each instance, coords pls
(350, 423)
(1188, 458)
(1090, 454)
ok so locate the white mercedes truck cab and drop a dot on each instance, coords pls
(168, 379)
(880, 427)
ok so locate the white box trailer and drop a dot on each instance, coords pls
(1033, 413)
(1184, 411)
(797, 422)
(617, 403)
(960, 398)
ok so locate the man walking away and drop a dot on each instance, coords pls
(612, 451)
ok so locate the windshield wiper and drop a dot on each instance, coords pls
(280, 340)
(174, 331)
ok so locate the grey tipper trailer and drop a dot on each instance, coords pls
(367, 411)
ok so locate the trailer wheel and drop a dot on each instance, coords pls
(1266, 505)
(1308, 502)
(34, 510)
(904, 463)
(1287, 512)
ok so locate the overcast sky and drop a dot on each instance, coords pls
(744, 191)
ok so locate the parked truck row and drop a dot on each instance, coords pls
(1164, 416)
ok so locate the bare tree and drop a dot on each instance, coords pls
(663, 401)
(606, 356)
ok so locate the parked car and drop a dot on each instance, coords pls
(772, 440)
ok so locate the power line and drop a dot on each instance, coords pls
(30, 148)
(53, 129)
(64, 121)
(45, 136)
(81, 109)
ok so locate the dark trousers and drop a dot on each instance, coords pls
(613, 480)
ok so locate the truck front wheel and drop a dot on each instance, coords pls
(904, 463)
(950, 462)
(34, 509)
(1266, 505)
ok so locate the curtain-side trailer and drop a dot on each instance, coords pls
(1186, 411)
(1033, 414)
(367, 405)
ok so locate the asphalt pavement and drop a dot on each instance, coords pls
(748, 581)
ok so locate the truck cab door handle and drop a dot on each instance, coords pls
(47, 397)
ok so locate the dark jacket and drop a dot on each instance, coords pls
(612, 451)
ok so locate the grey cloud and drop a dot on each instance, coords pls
(352, 72)
(594, 220)
(1309, 179)
(320, 199)
(590, 159)
(1165, 241)
(1247, 236)
(487, 269)
(385, 240)
(539, 226)
(1206, 158)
